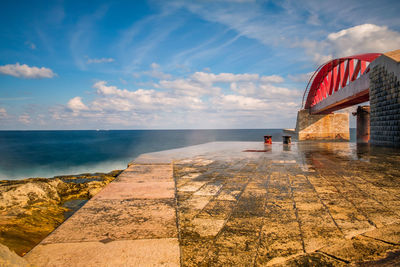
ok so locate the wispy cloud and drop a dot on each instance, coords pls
(3, 113)
(82, 34)
(99, 60)
(18, 98)
(302, 78)
(155, 72)
(136, 42)
(303, 20)
(25, 119)
(30, 45)
(25, 71)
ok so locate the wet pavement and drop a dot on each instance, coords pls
(316, 203)
(304, 204)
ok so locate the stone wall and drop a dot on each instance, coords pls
(333, 126)
(385, 101)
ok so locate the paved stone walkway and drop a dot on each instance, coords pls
(309, 204)
(131, 222)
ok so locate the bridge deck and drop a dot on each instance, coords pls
(356, 92)
(315, 203)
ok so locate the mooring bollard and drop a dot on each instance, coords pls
(287, 139)
(268, 139)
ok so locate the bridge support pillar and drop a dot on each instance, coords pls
(363, 128)
(333, 126)
(384, 97)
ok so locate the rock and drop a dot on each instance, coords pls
(23, 195)
(9, 258)
(30, 209)
(94, 191)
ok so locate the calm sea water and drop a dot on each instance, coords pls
(49, 153)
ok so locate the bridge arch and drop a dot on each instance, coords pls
(334, 75)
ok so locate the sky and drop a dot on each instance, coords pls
(221, 64)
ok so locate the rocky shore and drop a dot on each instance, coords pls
(30, 209)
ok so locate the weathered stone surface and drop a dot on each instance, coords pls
(118, 219)
(322, 127)
(132, 222)
(145, 252)
(30, 209)
(9, 259)
(359, 249)
(307, 204)
(309, 260)
(312, 205)
(390, 234)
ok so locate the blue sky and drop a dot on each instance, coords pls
(175, 64)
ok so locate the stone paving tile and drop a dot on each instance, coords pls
(311, 259)
(118, 219)
(374, 211)
(132, 222)
(389, 234)
(147, 190)
(144, 252)
(281, 236)
(359, 249)
(222, 212)
(350, 221)
(141, 181)
(306, 205)
(318, 228)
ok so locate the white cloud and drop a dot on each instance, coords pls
(143, 99)
(3, 113)
(264, 91)
(154, 65)
(111, 104)
(155, 72)
(244, 88)
(103, 89)
(24, 71)
(203, 83)
(271, 79)
(76, 104)
(235, 102)
(188, 87)
(271, 91)
(194, 101)
(25, 119)
(365, 38)
(99, 60)
(209, 78)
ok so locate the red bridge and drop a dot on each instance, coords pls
(338, 84)
(348, 81)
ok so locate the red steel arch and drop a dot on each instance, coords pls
(334, 75)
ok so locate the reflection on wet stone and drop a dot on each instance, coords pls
(308, 204)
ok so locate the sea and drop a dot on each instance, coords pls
(26, 154)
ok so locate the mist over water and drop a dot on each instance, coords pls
(26, 154)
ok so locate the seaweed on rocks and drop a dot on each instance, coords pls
(30, 209)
